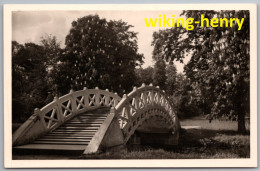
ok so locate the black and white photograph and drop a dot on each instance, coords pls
(130, 85)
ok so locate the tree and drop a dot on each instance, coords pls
(53, 53)
(28, 79)
(52, 49)
(99, 53)
(159, 75)
(144, 76)
(171, 74)
(219, 61)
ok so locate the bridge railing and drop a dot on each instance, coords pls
(62, 109)
(69, 105)
(140, 99)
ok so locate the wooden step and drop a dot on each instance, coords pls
(93, 114)
(78, 129)
(72, 134)
(74, 131)
(80, 124)
(51, 147)
(91, 119)
(66, 139)
(61, 142)
(86, 120)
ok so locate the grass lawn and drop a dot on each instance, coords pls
(217, 139)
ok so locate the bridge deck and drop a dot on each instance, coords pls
(74, 134)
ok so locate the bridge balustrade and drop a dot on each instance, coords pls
(69, 105)
(142, 103)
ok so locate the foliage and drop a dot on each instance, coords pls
(219, 61)
(159, 74)
(144, 75)
(28, 79)
(53, 52)
(171, 81)
(99, 53)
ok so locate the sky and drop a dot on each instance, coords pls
(30, 26)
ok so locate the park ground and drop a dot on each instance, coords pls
(217, 139)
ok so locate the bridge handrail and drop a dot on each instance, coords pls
(65, 107)
(126, 108)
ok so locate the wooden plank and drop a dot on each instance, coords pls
(66, 139)
(78, 122)
(56, 142)
(91, 114)
(78, 128)
(51, 147)
(72, 134)
(94, 116)
(81, 124)
(75, 131)
(86, 120)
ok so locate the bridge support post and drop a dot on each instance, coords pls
(29, 131)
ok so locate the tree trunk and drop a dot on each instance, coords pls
(242, 103)
(241, 127)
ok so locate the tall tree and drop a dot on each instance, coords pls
(171, 74)
(159, 75)
(99, 53)
(52, 49)
(28, 79)
(219, 61)
(53, 53)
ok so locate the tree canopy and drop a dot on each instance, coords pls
(28, 79)
(159, 75)
(219, 61)
(144, 75)
(99, 53)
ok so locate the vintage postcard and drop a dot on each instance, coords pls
(130, 86)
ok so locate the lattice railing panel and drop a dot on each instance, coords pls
(140, 104)
(67, 106)
(51, 118)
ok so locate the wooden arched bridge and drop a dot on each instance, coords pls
(92, 119)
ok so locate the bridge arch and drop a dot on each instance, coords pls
(141, 104)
